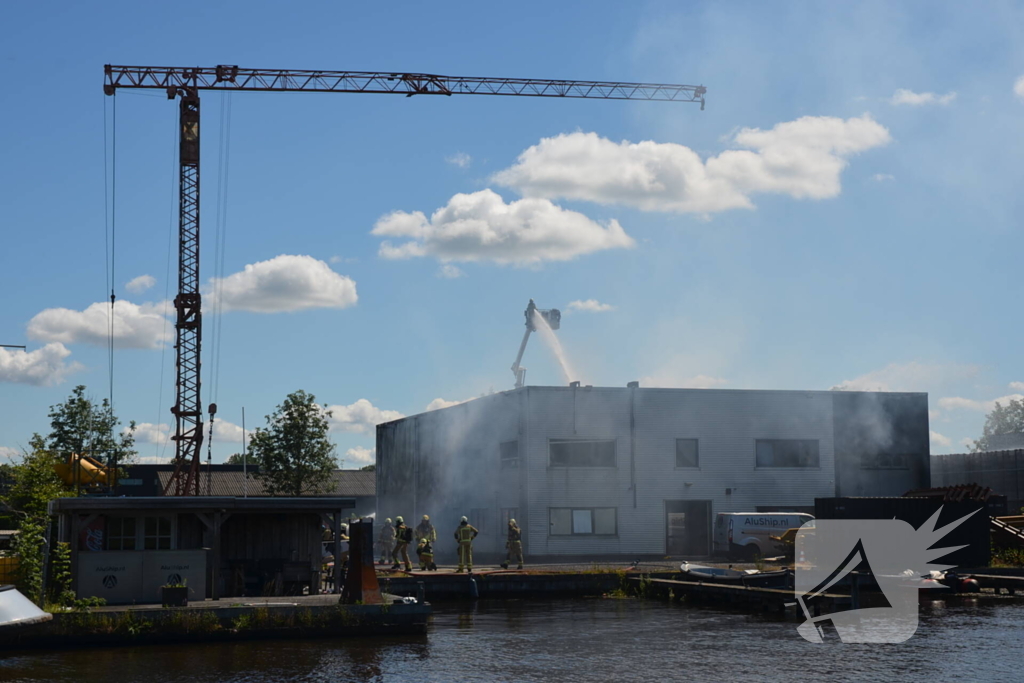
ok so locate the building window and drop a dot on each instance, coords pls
(509, 454)
(686, 453)
(507, 514)
(121, 533)
(478, 517)
(157, 534)
(787, 453)
(885, 461)
(582, 521)
(581, 453)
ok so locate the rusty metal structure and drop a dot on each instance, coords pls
(187, 82)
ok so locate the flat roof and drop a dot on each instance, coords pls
(200, 504)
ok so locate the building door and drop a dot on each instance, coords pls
(688, 527)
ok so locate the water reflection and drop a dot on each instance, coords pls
(573, 640)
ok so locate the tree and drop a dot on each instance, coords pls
(294, 453)
(80, 426)
(236, 459)
(1002, 420)
(372, 467)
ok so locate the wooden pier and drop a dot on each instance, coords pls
(719, 595)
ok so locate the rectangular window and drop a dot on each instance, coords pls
(121, 533)
(787, 453)
(509, 454)
(157, 533)
(686, 453)
(581, 453)
(885, 461)
(478, 517)
(507, 514)
(582, 521)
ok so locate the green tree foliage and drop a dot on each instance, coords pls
(294, 453)
(372, 467)
(236, 459)
(79, 425)
(1002, 420)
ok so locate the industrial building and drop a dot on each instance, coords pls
(601, 471)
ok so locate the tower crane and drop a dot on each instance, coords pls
(185, 83)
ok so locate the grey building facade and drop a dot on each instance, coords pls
(599, 471)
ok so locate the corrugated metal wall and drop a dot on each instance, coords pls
(1001, 471)
(446, 463)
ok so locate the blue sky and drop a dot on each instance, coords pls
(846, 211)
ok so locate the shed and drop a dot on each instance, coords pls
(125, 549)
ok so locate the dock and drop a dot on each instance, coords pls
(727, 595)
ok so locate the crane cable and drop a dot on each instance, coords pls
(161, 448)
(220, 243)
(110, 247)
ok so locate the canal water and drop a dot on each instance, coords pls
(574, 640)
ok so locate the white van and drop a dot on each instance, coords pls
(742, 535)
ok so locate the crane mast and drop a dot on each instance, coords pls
(187, 82)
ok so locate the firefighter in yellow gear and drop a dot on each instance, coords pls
(514, 545)
(425, 551)
(386, 541)
(426, 531)
(465, 535)
(403, 537)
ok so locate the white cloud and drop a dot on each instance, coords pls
(147, 432)
(45, 366)
(482, 227)
(967, 443)
(958, 403)
(154, 460)
(160, 434)
(933, 414)
(673, 381)
(1017, 386)
(449, 271)
(882, 177)
(136, 326)
(361, 417)
(1018, 88)
(8, 453)
(915, 99)
(284, 283)
(911, 376)
(439, 403)
(140, 284)
(460, 159)
(590, 306)
(802, 158)
(939, 440)
(361, 456)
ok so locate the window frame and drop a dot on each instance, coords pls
(615, 454)
(505, 462)
(145, 535)
(593, 521)
(696, 443)
(121, 536)
(774, 466)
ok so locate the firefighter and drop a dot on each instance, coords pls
(426, 531)
(341, 546)
(386, 540)
(465, 535)
(403, 537)
(514, 545)
(425, 551)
